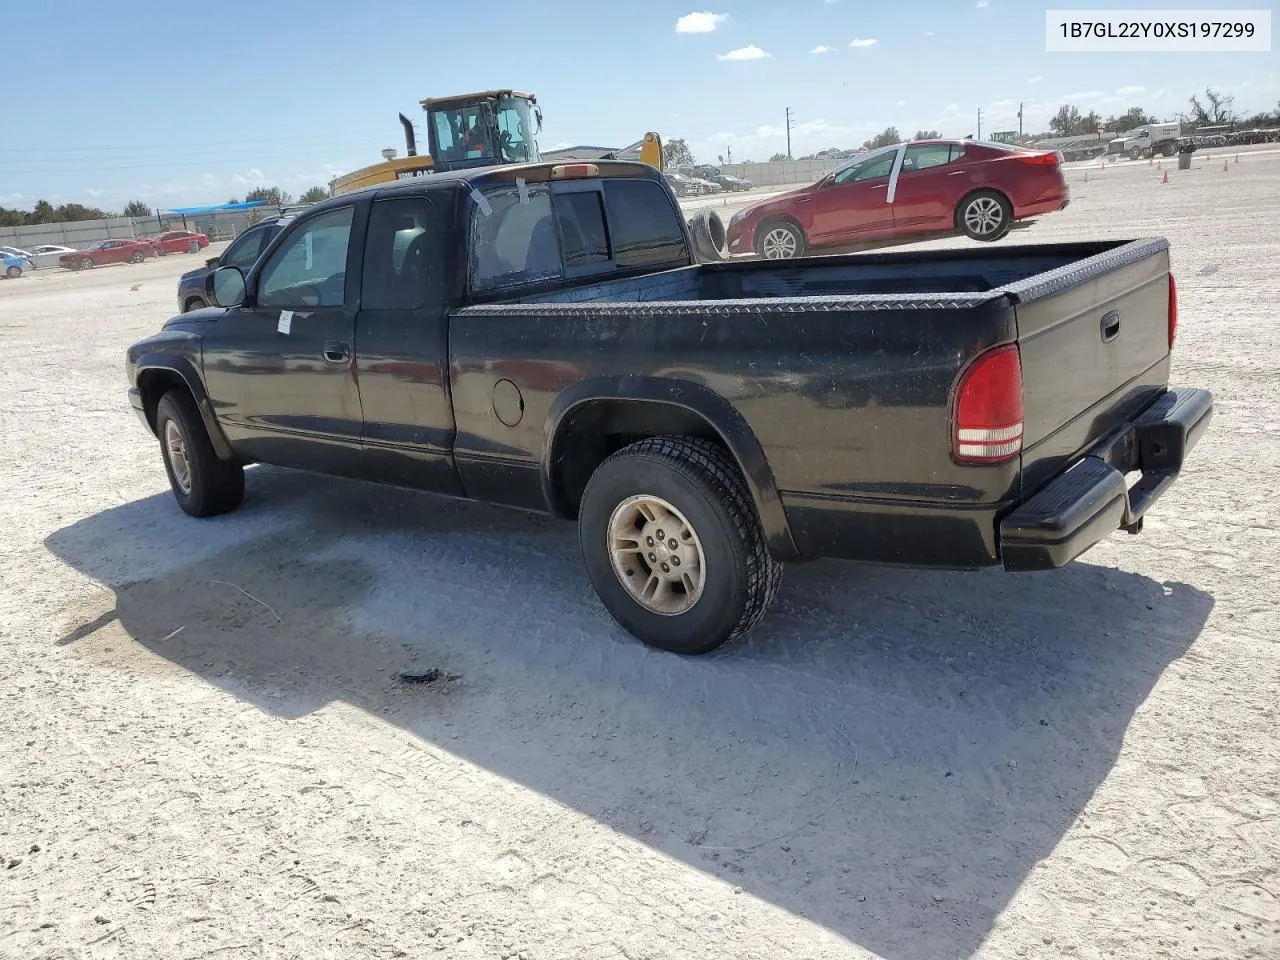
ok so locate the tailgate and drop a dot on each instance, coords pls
(1094, 339)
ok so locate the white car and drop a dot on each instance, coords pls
(47, 254)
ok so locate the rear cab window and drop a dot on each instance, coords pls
(529, 234)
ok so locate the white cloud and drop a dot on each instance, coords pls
(928, 33)
(1131, 91)
(823, 48)
(703, 22)
(951, 107)
(1036, 79)
(751, 52)
(980, 4)
(562, 145)
(860, 42)
(1087, 95)
(96, 194)
(902, 103)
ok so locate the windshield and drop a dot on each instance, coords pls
(499, 131)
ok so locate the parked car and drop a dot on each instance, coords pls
(243, 253)
(107, 251)
(48, 254)
(28, 263)
(731, 183)
(538, 336)
(682, 185)
(12, 266)
(178, 241)
(908, 191)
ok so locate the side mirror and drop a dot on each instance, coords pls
(826, 181)
(211, 262)
(225, 287)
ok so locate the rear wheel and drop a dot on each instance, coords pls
(203, 484)
(137, 256)
(193, 246)
(86, 263)
(985, 215)
(780, 240)
(673, 547)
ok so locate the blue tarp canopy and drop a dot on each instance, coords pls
(216, 208)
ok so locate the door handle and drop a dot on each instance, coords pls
(880, 186)
(1110, 327)
(336, 352)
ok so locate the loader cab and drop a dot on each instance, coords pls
(483, 129)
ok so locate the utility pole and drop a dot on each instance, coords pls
(788, 133)
(979, 123)
(1019, 121)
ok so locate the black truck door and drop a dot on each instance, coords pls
(279, 368)
(402, 345)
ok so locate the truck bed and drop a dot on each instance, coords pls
(844, 369)
(906, 274)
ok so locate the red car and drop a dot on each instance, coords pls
(107, 251)
(179, 241)
(909, 191)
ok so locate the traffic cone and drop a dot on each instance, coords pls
(1166, 177)
(1086, 176)
(1225, 168)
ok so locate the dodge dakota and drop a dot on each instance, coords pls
(543, 337)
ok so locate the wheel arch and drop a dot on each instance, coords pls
(591, 419)
(158, 374)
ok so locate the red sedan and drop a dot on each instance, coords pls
(179, 241)
(909, 191)
(107, 251)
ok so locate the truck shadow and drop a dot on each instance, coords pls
(889, 755)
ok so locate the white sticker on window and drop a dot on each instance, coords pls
(524, 191)
(481, 201)
(286, 321)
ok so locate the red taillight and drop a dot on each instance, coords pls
(570, 171)
(1173, 311)
(1044, 159)
(988, 414)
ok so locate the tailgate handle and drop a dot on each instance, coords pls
(1110, 326)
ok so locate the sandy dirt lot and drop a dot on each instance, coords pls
(206, 751)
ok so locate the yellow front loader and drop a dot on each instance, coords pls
(488, 128)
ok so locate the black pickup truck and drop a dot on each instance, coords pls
(541, 336)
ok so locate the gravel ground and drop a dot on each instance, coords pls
(207, 752)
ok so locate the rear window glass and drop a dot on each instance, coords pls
(513, 238)
(644, 225)
(582, 233)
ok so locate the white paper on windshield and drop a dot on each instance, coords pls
(524, 191)
(481, 201)
(286, 321)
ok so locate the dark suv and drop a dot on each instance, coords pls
(243, 253)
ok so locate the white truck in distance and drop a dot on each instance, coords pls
(1148, 140)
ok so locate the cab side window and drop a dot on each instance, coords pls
(396, 255)
(643, 225)
(309, 269)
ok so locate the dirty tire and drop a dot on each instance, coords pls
(85, 263)
(780, 240)
(975, 212)
(137, 256)
(214, 486)
(739, 577)
(13, 272)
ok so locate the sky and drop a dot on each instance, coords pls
(177, 104)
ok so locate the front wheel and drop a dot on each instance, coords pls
(193, 246)
(203, 484)
(985, 215)
(137, 256)
(780, 241)
(673, 547)
(13, 273)
(86, 263)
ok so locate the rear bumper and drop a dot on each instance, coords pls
(1092, 500)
